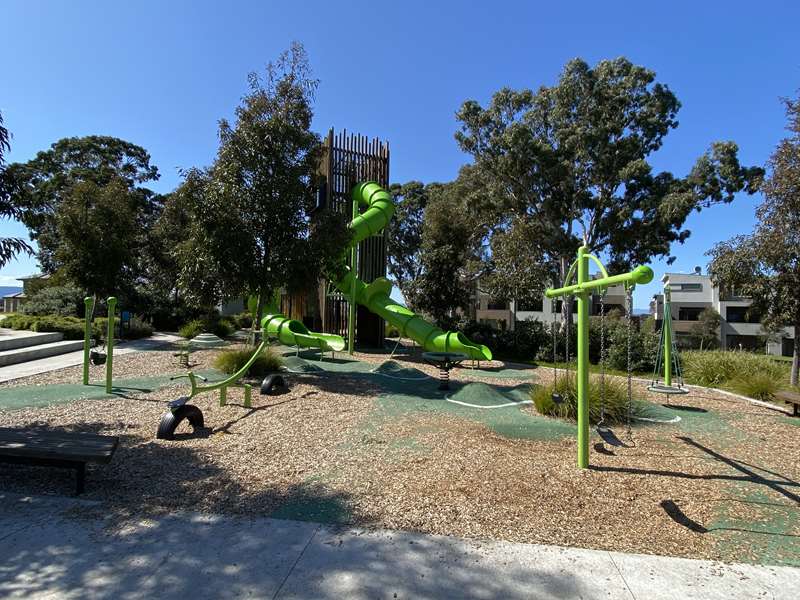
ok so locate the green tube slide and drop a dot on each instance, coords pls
(294, 333)
(376, 295)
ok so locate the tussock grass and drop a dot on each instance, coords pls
(615, 402)
(230, 361)
(754, 375)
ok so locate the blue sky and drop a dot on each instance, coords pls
(160, 74)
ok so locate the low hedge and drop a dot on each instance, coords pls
(72, 327)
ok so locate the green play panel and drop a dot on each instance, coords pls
(31, 396)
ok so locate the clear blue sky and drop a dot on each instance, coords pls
(160, 74)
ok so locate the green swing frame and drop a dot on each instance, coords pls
(582, 290)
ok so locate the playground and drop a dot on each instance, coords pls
(432, 435)
(371, 440)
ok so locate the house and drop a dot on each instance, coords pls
(504, 314)
(30, 284)
(740, 327)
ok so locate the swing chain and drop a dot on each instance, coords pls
(555, 353)
(602, 359)
(629, 299)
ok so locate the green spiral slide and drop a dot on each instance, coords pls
(375, 296)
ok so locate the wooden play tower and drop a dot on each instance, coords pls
(347, 159)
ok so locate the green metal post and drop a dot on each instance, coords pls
(667, 335)
(112, 305)
(584, 298)
(223, 396)
(247, 397)
(351, 315)
(87, 336)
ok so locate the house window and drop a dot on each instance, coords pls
(497, 305)
(689, 313)
(536, 306)
(741, 314)
(745, 342)
(686, 287)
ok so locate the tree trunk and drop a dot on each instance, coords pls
(259, 310)
(566, 301)
(796, 354)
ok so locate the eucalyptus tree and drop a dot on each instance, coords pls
(765, 265)
(574, 159)
(9, 246)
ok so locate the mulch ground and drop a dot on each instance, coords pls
(722, 483)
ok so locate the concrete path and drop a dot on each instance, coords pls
(53, 363)
(66, 548)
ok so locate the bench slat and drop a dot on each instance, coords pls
(84, 447)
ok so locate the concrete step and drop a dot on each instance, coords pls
(19, 355)
(10, 338)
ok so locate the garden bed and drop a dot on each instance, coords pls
(347, 445)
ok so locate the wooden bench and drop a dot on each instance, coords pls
(790, 398)
(56, 449)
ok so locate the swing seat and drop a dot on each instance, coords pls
(660, 388)
(609, 437)
(557, 398)
(97, 358)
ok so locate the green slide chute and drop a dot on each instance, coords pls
(375, 296)
(294, 333)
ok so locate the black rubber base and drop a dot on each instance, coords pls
(270, 382)
(172, 418)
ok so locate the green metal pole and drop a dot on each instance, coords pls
(112, 304)
(584, 298)
(667, 335)
(351, 315)
(87, 336)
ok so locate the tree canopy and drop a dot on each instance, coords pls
(9, 246)
(251, 232)
(574, 159)
(41, 184)
(404, 239)
(765, 265)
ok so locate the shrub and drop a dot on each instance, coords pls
(192, 329)
(230, 361)
(222, 327)
(524, 343)
(138, 328)
(722, 367)
(63, 301)
(615, 400)
(18, 321)
(759, 386)
(71, 327)
(243, 320)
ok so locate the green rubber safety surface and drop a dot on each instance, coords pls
(503, 373)
(497, 407)
(767, 532)
(394, 369)
(32, 396)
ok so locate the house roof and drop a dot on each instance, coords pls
(35, 276)
(16, 295)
